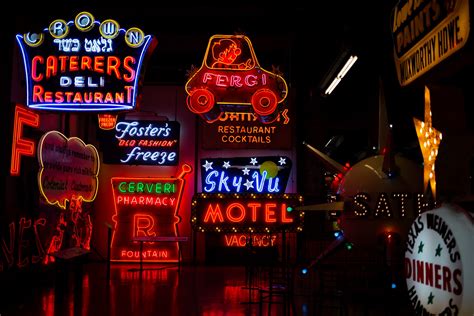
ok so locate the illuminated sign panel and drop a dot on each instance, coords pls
(239, 130)
(20, 145)
(246, 213)
(146, 207)
(246, 240)
(245, 174)
(426, 33)
(231, 79)
(438, 262)
(142, 143)
(84, 65)
(68, 168)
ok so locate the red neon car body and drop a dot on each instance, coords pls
(231, 79)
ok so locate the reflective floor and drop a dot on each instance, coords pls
(163, 290)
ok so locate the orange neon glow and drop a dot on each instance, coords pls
(241, 209)
(242, 240)
(146, 224)
(247, 213)
(143, 225)
(214, 212)
(21, 146)
(230, 74)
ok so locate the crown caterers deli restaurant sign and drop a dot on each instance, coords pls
(425, 33)
(84, 65)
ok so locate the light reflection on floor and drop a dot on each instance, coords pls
(162, 290)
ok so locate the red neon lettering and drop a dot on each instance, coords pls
(238, 206)
(214, 214)
(51, 66)
(74, 63)
(24, 224)
(235, 81)
(86, 63)
(39, 245)
(285, 219)
(34, 68)
(113, 63)
(38, 93)
(143, 225)
(99, 64)
(254, 206)
(222, 81)
(21, 146)
(269, 212)
(63, 63)
(8, 250)
(127, 62)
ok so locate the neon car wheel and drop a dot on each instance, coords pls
(264, 102)
(201, 101)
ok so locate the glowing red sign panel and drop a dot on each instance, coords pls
(20, 145)
(231, 79)
(147, 207)
(246, 213)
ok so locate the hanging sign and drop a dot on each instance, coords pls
(136, 142)
(438, 262)
(426, 33)
(239, 130)
(245, 174)
(68, 167)
(246, 212)
(231, 79)
(147, 207)
(84, 65)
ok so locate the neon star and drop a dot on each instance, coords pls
(429, 139)
(207, 165)
(253, 161)
(282, 161)
(420, 247)
(438, 251)
(226, 165)
(248, 184)
(246, 171)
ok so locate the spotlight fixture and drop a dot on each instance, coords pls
(349, 62)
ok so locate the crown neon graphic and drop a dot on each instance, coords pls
(84, 65)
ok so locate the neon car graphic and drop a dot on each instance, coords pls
(231, 79)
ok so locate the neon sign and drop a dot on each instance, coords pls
(231, 78)
(147, 207)
(68, 167)
(438, 262)
(254, 240)
(239, 130)
(245, 174)
(84, 65)
(246, 213)
(20, 145)
(143, 143)
(385, 205)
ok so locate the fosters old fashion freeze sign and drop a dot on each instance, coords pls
(425, 32)
(84, 65)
